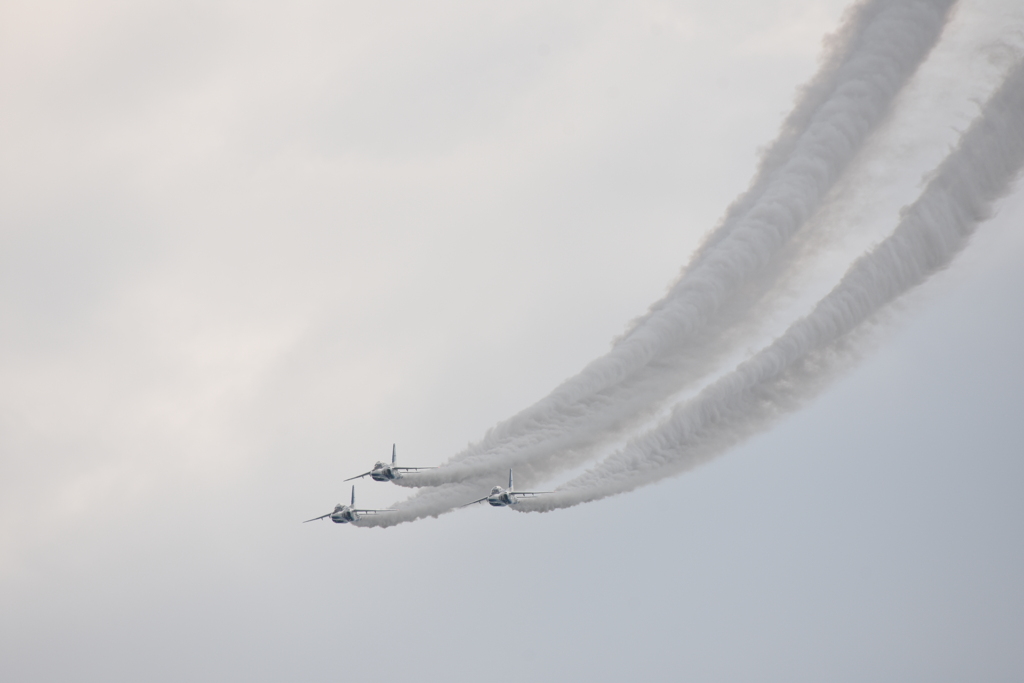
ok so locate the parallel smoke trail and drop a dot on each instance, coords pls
(705, 314)
(798, 364)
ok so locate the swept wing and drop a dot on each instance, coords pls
(320, 517)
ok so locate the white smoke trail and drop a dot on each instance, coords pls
(792, 369)
(703, 317)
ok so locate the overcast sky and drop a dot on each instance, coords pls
(248, 246)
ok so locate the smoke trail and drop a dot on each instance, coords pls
(849, 39)
(792, 369)
(878, 51)
(703, 316)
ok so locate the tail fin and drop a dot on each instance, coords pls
(510, 480)
(394, 456)
(353, 495)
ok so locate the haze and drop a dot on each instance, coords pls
(247, 247)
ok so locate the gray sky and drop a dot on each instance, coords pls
(246, 247)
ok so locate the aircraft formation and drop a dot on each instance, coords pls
(382, 471)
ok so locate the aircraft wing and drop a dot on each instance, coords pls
(529, 494)
(373, 512)
(475, 502)
(364, 474)
(320, 517)
(412, 469)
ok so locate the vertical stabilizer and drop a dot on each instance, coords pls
(510, 480)
(353, 495)
(394, 455)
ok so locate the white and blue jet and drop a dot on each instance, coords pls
(499, 497)
(383, 471)
(343, 514)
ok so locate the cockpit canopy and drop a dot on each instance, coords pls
(379, 465)
(496, 490)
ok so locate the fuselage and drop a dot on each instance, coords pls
(343, 514)
(383, 472)
(499, 497)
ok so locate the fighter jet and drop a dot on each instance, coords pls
(499, 497)
(348, 513)
(385, 472)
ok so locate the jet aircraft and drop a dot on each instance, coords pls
(499, 497)
(382, 471)
(348, 513)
